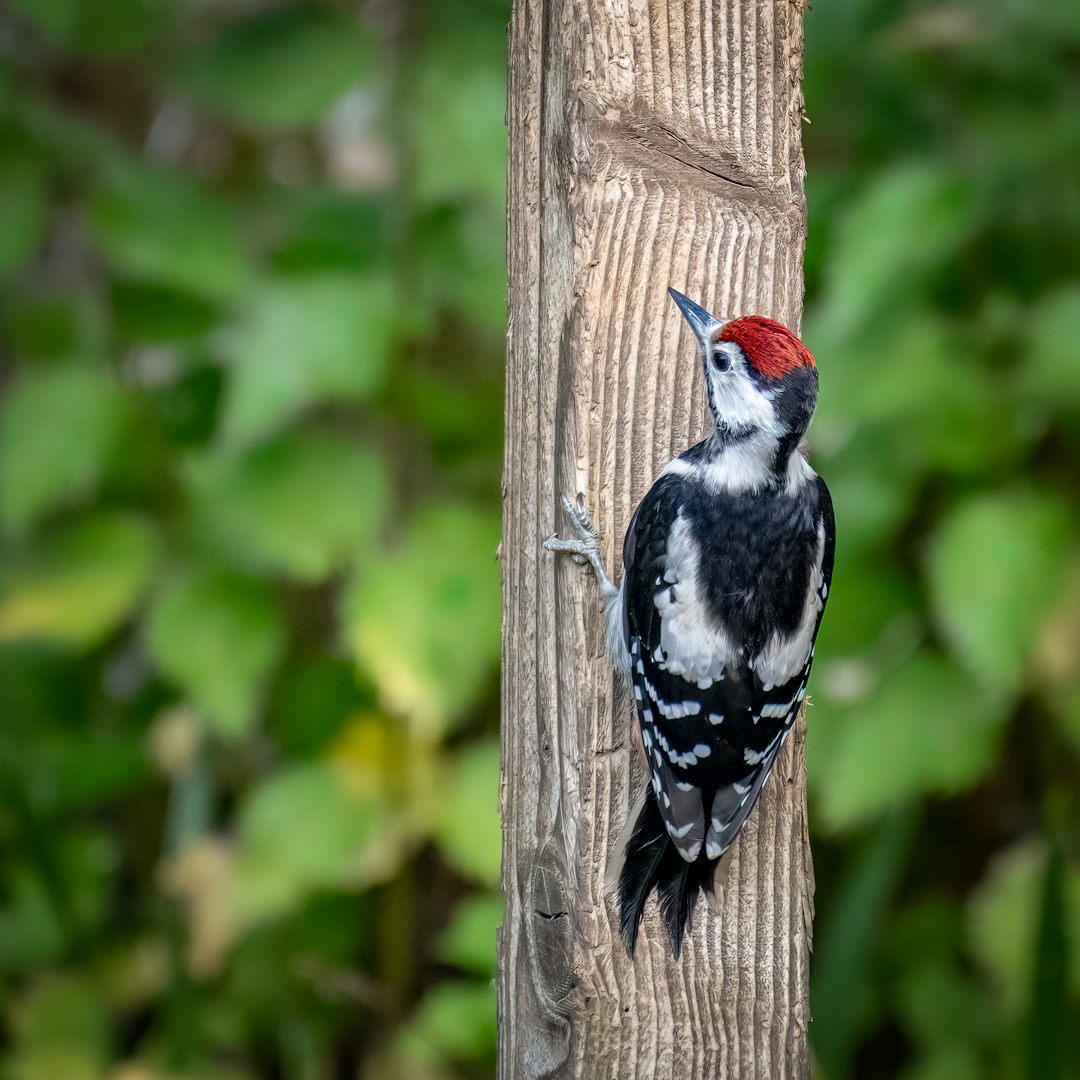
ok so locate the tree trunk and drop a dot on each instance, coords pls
(652, 143)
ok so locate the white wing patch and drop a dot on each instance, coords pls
(690, 645)
(670, 710)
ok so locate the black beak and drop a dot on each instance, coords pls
(701, 322)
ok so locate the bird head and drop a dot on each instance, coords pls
(761, 379)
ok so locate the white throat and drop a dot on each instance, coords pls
(741, 456)
(743, 466)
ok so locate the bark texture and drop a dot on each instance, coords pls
(652, 143)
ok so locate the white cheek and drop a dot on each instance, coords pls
(739, 402)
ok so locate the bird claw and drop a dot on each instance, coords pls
(586, 548)
(579, 518)
(576, 549)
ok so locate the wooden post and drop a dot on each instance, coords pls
(652, 143)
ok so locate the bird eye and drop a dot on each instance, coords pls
(721, 361)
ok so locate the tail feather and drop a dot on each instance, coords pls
(644, 853)
(652, 861)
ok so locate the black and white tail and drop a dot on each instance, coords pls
(648, 860)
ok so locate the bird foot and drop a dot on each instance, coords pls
(586, 548)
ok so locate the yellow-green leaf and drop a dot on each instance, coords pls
(61, 1029)
(423, 619)
(80, 584)
(306, 828)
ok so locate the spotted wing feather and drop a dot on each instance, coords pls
(713, 702)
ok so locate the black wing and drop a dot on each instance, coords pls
(713, 712)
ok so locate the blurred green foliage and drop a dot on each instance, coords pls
(944, 191)
(250, 447)
(250, 437)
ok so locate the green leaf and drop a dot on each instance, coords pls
(1051, 336)
(58, 429)
(467, 828)
(23, 191)
(462, 262)
(913, 369)
(62, 1029)
(280, 69)
(925, 729)
(871, 601)
(878, 256)
(304, 504)
(47, 325)
(305, 340)
(217, 635)
(188, 405)
(81, 584)
(996, 569)
(924, 383)
(947, 1062)
(158, 313)
(87, 768)
(1068, 715)
(460, 138)
(304, 829)
(331, 229)
(872, 491)
(31, 935)
(456, 1021)
(469, 941)
(423, 620)
(158, 227)
(311, 703)
(61, 888)
(1003, 922)
(458, 148)
(1049, 1009)
(843, 990)
(936, 994)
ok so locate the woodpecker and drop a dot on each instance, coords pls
(727, 565)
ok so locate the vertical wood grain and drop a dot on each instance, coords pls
(652, 143)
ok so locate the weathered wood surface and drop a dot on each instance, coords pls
(652, 143)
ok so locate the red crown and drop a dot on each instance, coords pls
(770, 346)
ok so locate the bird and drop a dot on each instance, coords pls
(727, 567)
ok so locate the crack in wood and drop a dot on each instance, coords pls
(658, 150)
(701, 161)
